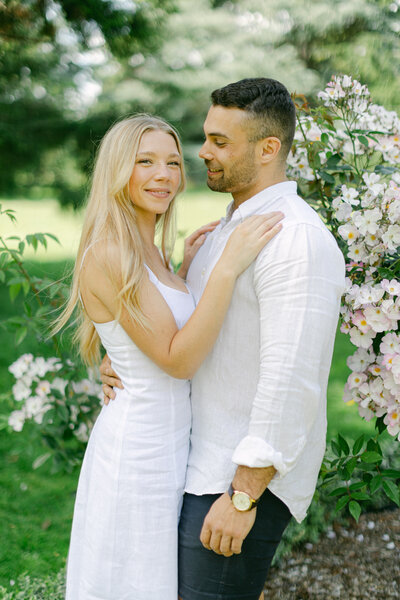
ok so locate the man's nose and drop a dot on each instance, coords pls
(204, 152)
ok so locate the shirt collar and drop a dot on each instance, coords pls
(259, 201)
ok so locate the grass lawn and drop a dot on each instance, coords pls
(36, 506)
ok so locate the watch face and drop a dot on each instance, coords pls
(241, 501)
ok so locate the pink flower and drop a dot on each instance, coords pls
(388, 360)
(392, 286)
(359, 321)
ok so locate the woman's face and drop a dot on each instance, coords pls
(156, 175)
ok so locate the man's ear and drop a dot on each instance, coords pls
(268, 149)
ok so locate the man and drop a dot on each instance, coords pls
(259, 398)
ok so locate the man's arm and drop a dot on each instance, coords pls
(298, 283)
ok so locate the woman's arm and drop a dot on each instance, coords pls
(180, 352)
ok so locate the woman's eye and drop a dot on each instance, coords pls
(144, 161)
(175, 163)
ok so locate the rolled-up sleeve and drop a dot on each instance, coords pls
(298, 279)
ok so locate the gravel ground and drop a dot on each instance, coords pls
(358, 563)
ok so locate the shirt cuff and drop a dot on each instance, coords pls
(256, 453)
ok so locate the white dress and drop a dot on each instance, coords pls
(124, 532)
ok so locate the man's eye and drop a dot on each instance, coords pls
(220, 144)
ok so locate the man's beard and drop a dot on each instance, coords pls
(241, 174)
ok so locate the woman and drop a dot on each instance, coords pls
(124, 533)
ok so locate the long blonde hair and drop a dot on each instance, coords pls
(110, 215)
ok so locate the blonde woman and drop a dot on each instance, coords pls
(124, 534)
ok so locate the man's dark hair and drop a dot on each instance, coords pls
(269, 105)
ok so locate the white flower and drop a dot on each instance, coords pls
(376, 318)
(358, 252)
(372, 182)
(390, 344)
(392, 237)
(349, 195)
(59, 384)
(367, 221)
(43, 388)
(354, 380)
(360, 339)
(16, 420)
(21, 366)
(360, 359)
(33, 406)
(396, 368)
(369, 294)
(82, 433)
(84, 387)
(40, 367)
(21, 391)
(348, 232)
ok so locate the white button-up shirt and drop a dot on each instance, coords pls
(259, 398)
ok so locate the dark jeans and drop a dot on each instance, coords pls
(204, 575)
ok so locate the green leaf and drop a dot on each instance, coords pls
(338, 491)
(14, 290)
(327, 177)
(26, 286)
(394, 474)
(358, 444)
(343, 444)
(20, 335)
(325, 138)
(21, 247)
(53, 237)
(351, 465)
(341, 503)
(357, 486)
(336, 448)
(32, 241)
(384, 170)
(363, 140)
(333, 161)
(375, 483)
(371, 457)
(392, 491)
(360, 496)
(355, 510)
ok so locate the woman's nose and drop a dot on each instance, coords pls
(162, 171)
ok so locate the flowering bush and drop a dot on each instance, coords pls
(54, 394)
(346, 157)
(49, 393)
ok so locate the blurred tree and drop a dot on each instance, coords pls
(49, 53)
(71, 68)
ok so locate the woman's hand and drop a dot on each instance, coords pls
(248, 239)
(191, 246)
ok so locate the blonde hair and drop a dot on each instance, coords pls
(110, 215)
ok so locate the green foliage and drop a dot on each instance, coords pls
(34, 588)
(354, 472)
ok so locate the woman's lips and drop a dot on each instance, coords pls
(161, 193)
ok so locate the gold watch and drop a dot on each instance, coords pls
(242, 501)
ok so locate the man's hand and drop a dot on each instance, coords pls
(109, 379)
(225, 528)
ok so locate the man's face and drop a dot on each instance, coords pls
(227, 153)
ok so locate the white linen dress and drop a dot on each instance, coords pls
(124, 532)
